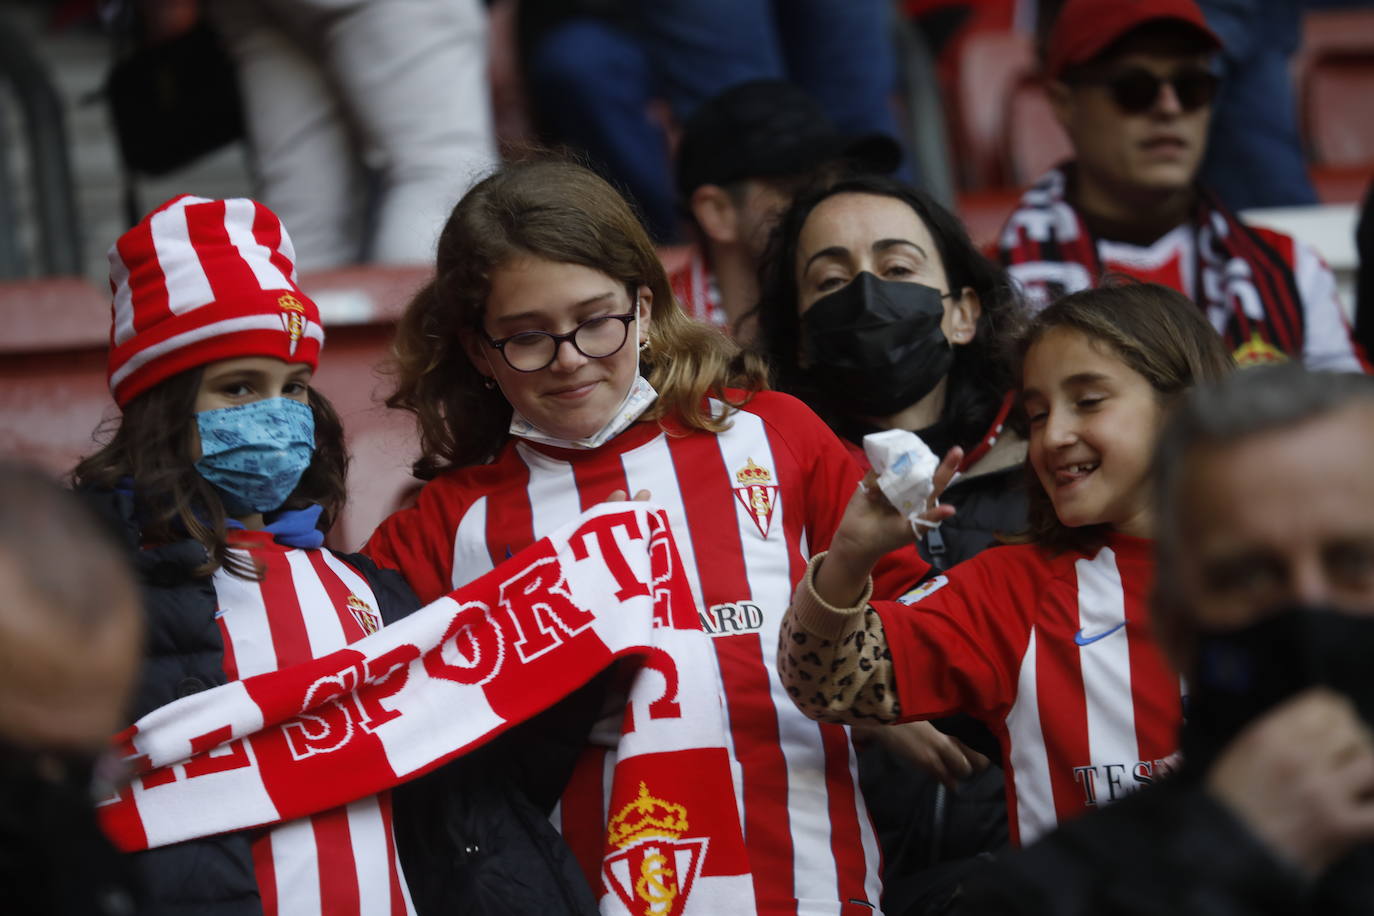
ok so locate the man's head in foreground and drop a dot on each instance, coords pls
(70, 642)
(69, 621)
(1265, 602)
(1266, 499)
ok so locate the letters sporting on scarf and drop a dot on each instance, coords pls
(453, 675)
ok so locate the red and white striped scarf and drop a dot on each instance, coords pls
(453, 675)
(1245, 286)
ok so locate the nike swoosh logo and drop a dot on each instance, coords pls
(1082, 640)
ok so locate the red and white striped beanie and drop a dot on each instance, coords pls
(203, 280)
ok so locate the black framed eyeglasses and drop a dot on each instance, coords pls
(595, 338)
(1135, 90)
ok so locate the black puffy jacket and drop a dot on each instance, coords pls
(479, 827)
(1168, 848)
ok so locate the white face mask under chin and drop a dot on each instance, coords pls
(637, 400)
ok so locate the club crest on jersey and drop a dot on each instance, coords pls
(757, 493)
(363, 613)
(292, 319)
(1257, 352)
(655, 867)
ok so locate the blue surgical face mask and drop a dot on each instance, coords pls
(255, 454)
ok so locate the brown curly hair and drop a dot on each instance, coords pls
(560, 211)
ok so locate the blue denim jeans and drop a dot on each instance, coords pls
(592, 82)
(1254, 151)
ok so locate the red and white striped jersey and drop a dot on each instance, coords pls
(1055, 654)
(309, 603)
(695, 288)
(748, 508)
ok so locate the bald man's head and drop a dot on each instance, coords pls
(70, 633)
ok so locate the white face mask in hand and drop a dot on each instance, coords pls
(636, 401)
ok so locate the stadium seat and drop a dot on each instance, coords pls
(992, 64)
(1334, 71)
(1006, 132)
(1032, 140)
(984, 212)
(52, 370)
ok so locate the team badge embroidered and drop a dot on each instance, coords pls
(655, 867)
(1257, 352)
(292, 319)
(363, 613)
(757, 493)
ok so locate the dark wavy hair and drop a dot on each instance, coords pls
(554, 209)
(152, 445)
(1158, 332)
(979, 377)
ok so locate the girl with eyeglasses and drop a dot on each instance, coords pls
(550, 369)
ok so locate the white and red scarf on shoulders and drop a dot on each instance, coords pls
(455, 674)
(1246, 288)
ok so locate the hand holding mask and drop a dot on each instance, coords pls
(906, 473)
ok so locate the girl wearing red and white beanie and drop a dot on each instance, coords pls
(224, 472)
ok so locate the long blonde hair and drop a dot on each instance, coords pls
(560, 211)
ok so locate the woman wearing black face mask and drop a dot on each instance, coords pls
(879, 313)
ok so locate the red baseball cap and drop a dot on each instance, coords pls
(1085, 28)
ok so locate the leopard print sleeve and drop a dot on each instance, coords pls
(834, 662)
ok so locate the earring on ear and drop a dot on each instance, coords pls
(488, 382)
(644, 345)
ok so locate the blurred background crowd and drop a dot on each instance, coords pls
(360, 124)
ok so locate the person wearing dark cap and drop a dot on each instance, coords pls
(1133, 83)
(742, 157)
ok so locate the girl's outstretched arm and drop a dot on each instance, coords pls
(832, 655)
(835, 665)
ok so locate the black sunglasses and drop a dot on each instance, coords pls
(1136, 90)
